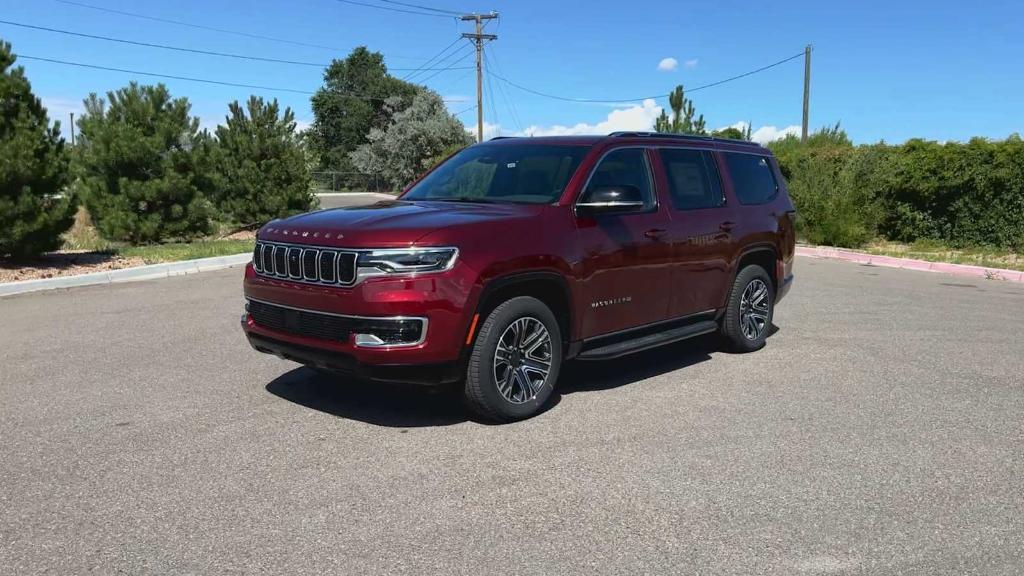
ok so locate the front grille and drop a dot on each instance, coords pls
(389, 331)
(307, 264)
(301, 322)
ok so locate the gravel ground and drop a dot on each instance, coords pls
(879, 432)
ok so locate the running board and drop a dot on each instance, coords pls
(649, 341)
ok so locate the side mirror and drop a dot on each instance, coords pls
(620, 199)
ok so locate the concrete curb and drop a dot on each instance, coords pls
(149, 272)
(910, 264)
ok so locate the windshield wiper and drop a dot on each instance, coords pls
(477, 199)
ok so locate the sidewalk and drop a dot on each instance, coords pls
(910, 264)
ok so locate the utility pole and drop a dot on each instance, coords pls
(478, 38)
(72, 128)
(807, 91)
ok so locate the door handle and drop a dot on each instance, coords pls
(726, 226)
(655, 233)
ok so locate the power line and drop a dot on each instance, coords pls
(432, 59)
(189, 78)
(449, 12)
(194, 50)
(379, 7)
(439, 70)
(492, 61)
(614, 100)
(213, 29)
(473, 107)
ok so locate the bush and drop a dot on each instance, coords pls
(138, 167)
(260, 166)
(960, 194)
(33, 168)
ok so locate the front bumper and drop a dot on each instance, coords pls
(444, 301)
(426, 375)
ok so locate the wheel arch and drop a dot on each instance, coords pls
(549, 287)
(764, 255)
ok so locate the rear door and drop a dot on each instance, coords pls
(625, 257)
(701, 234)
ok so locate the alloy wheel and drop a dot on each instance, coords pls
(522, 360)
(754, 309)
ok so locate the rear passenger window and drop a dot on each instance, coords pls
(692, 179)
(752, 177)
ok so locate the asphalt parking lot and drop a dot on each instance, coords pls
(880, 431)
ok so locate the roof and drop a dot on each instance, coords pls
(591, 140)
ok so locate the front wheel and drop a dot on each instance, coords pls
(515, 361)
(748, 315)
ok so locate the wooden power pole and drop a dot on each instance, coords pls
(478, 38)
(807, 92)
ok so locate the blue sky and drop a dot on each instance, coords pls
(891, 70)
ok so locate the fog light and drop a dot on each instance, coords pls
(373, 333)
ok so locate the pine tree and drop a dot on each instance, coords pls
(138, 168)
(33, 168)
(262, 171)
(682, 120)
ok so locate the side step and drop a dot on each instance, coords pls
(649, 341)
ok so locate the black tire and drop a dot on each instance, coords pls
(734, 330)
(481, 393)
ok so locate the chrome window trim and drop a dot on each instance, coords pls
(360, 274)
(424, 322)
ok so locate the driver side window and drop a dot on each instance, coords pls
(624, 167)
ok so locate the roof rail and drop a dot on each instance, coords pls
(672, 136)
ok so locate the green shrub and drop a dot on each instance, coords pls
(33, 168)
(960, 194)
(259, 166)
(138, 168)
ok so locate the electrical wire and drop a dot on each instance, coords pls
(614, 100)
(509, 102)
(188, 78)
(402, 10)
(213, 29)
(460, 60)
(432, 59)
(448, 12)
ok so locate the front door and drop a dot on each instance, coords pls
(625, 257)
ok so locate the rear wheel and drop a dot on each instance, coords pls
(748, 315)
(515, 361)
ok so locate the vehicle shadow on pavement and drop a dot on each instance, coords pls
(590, 376)
(382, 404)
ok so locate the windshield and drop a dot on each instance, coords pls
(526, 173)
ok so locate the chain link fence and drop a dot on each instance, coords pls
(350, 182)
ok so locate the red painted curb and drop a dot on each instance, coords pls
(910, 263)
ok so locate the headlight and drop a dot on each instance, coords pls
(404, 260)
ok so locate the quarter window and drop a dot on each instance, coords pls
(624, 167)
(752, 177)
(692, 179)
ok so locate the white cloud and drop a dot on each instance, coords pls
(636, 117)
(490, 130)
(765, 134)
(668, 64)
(690, 64)
(302, 125)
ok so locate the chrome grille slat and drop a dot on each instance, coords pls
(310, 264)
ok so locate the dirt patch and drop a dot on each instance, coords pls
(66, 263)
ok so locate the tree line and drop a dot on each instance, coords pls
(147, 173)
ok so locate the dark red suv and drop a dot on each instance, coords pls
(517, 254)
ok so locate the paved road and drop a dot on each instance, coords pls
(880, 431)
(338, 200)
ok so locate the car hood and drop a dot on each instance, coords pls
(390, 223)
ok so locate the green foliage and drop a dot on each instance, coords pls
(682, 120)
(733, 133)
(959, 194)
(351, 102)
(137, 166)
(411, 142)
(33, 168)
(258, 165)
